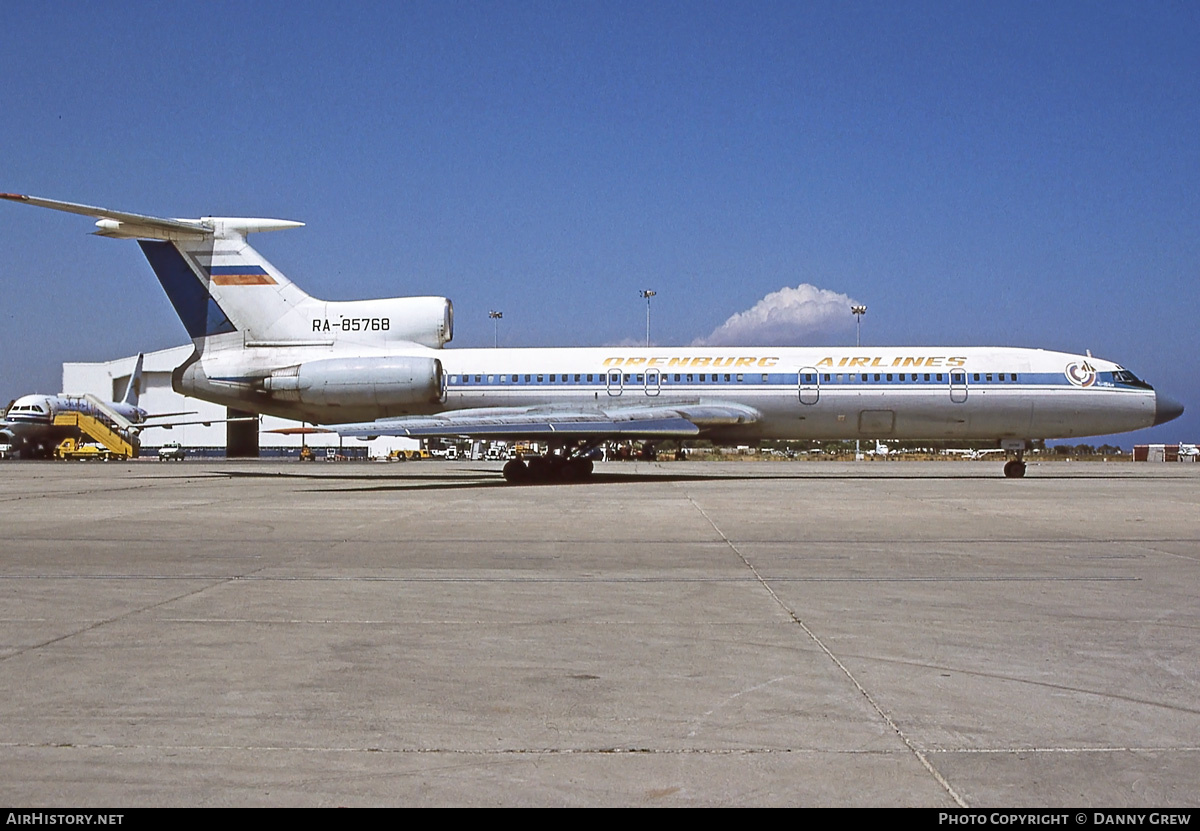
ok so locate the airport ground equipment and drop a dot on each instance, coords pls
(115, 440)
(72, 450)
(172, 452)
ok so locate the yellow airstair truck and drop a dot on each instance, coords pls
(102, 435)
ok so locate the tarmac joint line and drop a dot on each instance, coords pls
(916, 751)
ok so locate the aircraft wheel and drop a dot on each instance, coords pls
(576, 470)
(515, 472)
(539, 469)
(1014, 469)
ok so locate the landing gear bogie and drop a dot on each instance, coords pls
(516, 472)
(549, 469)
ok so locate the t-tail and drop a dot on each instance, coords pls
(229, 297)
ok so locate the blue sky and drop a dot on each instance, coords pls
(1022, 174)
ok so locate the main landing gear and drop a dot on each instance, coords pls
(563, 465)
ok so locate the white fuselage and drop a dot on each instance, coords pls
(799, 393)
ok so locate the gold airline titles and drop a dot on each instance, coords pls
(922, 361)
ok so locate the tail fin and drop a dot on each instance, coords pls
(134, 390)
(221, 285)
(217, 283)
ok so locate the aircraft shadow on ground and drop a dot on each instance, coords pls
(477, 478)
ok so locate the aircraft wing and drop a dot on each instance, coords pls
(207, 422)
(675, 421)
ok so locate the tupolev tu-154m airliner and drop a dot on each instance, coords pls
(370, 368)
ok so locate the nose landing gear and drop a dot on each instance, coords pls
(1015, 468)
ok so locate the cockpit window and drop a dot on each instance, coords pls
(1124, 376)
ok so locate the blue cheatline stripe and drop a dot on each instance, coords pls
(197, 309)
(1023, 381)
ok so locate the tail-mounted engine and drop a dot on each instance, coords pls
(394, 382)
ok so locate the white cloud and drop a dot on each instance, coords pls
(800, 316)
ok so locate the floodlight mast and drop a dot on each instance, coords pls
(647, 293)
(496, 317)
(858, 312)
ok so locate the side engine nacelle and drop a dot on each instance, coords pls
(360, 382)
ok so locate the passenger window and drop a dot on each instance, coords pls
(764, 378)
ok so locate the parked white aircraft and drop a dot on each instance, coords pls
(28, 430)
(377, 367)
(974, 454)
(882, 450)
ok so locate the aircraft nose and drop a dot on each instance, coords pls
(1166, 408)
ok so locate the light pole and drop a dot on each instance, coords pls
(648, 293)
(496, 316)
(858, 312)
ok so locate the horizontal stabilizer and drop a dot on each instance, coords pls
(123, 225)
